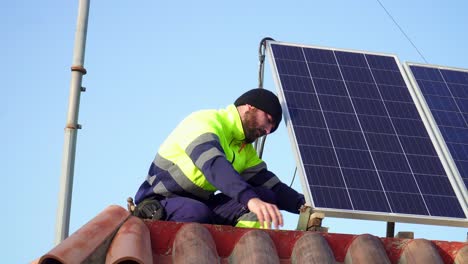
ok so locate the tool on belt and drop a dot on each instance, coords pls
(150, 209)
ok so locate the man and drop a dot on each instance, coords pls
(211, 151)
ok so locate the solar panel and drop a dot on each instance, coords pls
(445, 92)
(361, 145)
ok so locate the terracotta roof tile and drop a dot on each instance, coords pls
(366, 249)
(131, 243)
(312, 248)
(114, 236)
(193, 244)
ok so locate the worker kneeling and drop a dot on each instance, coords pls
(207, 170)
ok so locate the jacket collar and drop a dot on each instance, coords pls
(234, 119)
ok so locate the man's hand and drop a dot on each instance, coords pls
(266, 213)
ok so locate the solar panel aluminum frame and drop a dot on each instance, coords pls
(353, 214)
(441, 146)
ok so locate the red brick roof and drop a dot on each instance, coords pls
(114, 236)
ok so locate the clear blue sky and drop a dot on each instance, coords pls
(150, 63)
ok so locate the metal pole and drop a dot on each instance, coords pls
(260, 142)
(69, 149)
(391, 229)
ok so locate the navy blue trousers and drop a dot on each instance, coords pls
(219, 209)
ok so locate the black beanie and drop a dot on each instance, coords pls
(264, 100)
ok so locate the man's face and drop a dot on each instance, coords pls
(256, 123)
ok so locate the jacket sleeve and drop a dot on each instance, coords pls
(222, 175)
(208, 156)
(286, 197)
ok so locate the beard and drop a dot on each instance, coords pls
(250, 126)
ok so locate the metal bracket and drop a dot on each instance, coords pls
(310, 221)
(78, 68)
(130, 205)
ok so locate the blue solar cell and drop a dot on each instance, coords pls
(376, 124)
(288, 53)
(322, 155)
(348, 139)
(342, 121)
(462, 167)
(361, 140)
(409, 127)
(439, 206)
(458, 90)
(363, 90)
(365, 106)
(385, 161)
(320, 138)
(459, 151)
(331, 87)
(361, 179)
(383, 142)
(319, 56)
(426, 164)
(454, 76)
(454, 134)
(354, 74)
(399, 182)
(395, 93)
(441, 103)
(382, 62)
(300, 100)
(424, 73)
(350, 158)
(407, 203)
(351, 59)
(289, 67)
(402, 109)
(369, 200)
(324, 71)
(305, 117)
(328, 197)
(388, 77)
(462, 104)
(418, 146)
(439, 188)
(336, 104)
(324, 176)
(445, 118)
(298, 84)
(434, 88)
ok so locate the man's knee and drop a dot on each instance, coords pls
(187, 210)
(199, 213)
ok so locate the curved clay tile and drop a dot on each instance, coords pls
(88, 243)
(366, 249)
(194, 244)
(255, 246)
(462, 255)
(420, 251)
(312, 248)
(131, 244)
